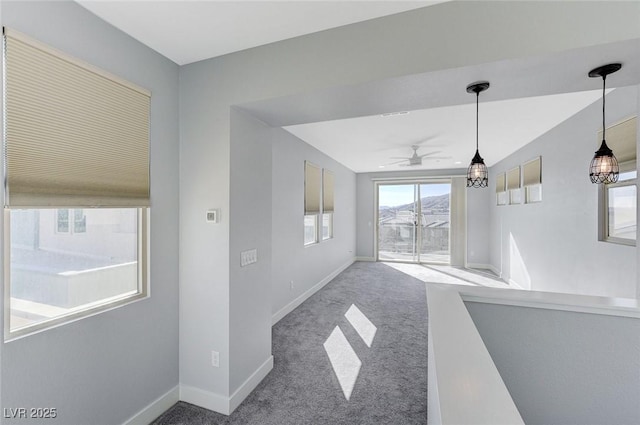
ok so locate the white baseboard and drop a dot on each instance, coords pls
(155, 408)
(514, 284)
(495, 270)
(219, 403)
(479, 266)
(365, 259)
(250, 384)
(208, 400)
(306, 294)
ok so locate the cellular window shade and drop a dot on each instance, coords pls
(327, 191)
(532, 172)
(312, 184)
(513, 178)
(621, 138)
(500, 183)
(75, 135)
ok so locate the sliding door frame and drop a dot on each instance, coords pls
(418, 233)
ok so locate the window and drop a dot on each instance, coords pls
(54, 276)
(76, 149)
(318, 204)
(62, 222)
(63, 218)
(327, 204)
(617, 201)
(310, 229)
(312, 192)
(513, 185)
(327, 226)
(532, 180)
(619, 223)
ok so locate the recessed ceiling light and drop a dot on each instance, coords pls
(380, 166)
(458, 162)
(393, 114)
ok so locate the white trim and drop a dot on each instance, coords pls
(464, 385)
(478, 266)
(366, 259)
(275, 318)
(223, 404)
(208, 400)
(622, 307)
(515, 284)
(495, 270)
(155, 408)
(250, 384)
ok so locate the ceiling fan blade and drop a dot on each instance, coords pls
(429, 153)
(398, 162)
(400, 157)
(439, 157)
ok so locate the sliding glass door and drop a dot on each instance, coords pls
(413, 222)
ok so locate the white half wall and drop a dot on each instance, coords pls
(553, 245)
(564, 367)
(298, 269)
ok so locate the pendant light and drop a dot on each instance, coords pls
(477, 174)
(604, 165)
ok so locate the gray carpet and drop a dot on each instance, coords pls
(302, 388)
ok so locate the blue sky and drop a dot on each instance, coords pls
(401, 194)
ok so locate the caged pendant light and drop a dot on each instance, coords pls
(477, 174)
(604, 165)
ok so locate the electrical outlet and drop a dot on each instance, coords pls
(215, 359)
(291, 285)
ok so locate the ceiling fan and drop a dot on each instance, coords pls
(415, 159)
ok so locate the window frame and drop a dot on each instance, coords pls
(330, 214)
(316, 240)
(603, 201)
(86, 310)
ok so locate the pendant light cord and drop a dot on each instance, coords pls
(604, 83)
(477, 119)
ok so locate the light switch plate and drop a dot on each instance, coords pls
(248, 257)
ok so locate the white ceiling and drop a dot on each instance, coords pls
(367, 144)
(190, 31)
(521, 105)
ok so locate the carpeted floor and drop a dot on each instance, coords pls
(304, 388)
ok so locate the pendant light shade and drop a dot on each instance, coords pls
(604, 165)
(477, 173)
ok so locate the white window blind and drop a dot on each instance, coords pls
(621, 138)
(500, 183)
(513, 178)
(327, 191)
(312, 184)
(75, 135)
(532, 172)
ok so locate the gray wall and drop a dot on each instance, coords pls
(104, 369)
(348, 55)
(557, 239)
(250, 225)
(292, 261)
(477, 208)
(564, 367)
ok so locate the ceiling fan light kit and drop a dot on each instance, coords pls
(477, 174)
(604, 165)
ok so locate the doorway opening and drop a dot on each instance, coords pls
(413, 221)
